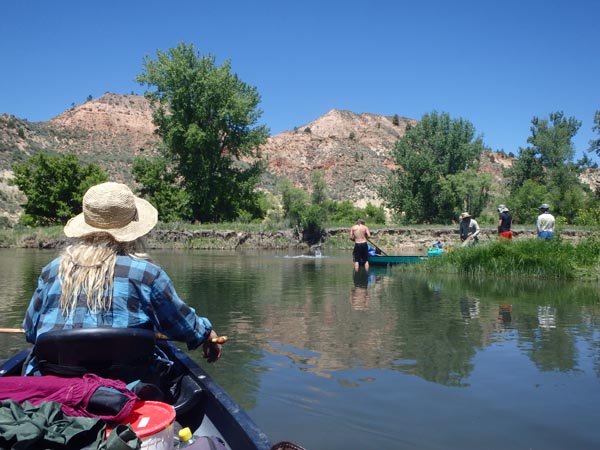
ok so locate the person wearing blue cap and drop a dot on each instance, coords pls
(545, 223)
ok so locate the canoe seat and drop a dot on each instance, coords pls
(118, 353)
(191, 398)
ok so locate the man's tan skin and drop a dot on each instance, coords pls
(359, 233)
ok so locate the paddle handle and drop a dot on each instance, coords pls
(12, 330)
(217, 340)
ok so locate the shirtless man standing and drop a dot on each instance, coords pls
(359, 233)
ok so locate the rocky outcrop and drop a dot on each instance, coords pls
(352, 150)
(109, 120)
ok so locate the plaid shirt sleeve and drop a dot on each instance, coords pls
(157, 299)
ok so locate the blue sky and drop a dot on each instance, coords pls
(496, 64)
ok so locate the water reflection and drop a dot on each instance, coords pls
(504, 316)
(359, 295)
(436, 322)
(306, 330)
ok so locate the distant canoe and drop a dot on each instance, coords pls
(385, 260)
(434, 251)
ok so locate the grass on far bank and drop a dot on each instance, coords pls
(527, 258)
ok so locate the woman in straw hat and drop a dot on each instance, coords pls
(104, 279)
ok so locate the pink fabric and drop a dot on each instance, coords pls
(73, 393)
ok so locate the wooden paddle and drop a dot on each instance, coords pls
(157, 335)
(377, 248)
(12, 330)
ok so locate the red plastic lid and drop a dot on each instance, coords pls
(150, 417)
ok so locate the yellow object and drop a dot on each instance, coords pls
(185, 434)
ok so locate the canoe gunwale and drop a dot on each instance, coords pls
(384, 260)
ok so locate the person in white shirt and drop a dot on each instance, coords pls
(545, 223)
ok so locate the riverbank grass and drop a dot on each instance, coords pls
(527, 258)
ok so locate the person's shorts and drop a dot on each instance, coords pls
(549, 235)
(505, 234)
(361, 253)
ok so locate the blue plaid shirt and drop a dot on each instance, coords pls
(143, 297)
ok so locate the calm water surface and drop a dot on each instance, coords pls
(391, 360)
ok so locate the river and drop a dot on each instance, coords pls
(388, 360)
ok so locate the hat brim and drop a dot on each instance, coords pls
(147, 217)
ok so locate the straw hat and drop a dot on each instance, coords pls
(464, 215)
(113, 209)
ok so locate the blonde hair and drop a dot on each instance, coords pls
(87, 269)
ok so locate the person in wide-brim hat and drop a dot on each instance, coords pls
(104, 278)
(113, 209)
(468, 229)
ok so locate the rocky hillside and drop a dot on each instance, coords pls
(113, 121)
(353, 150)
(110, 131)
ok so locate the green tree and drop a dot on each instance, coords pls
(526, 199)
(307, 213)
(465, 190)
(312, 223)
(374, 214)
(343, 212)
(595, 143)
(526, 167)
(429, 152)
(207, 117)
(552, 138)
(54, 186)
(586, 163)
(548, 162)
(319, 192)
(161, 188)
(294, 201)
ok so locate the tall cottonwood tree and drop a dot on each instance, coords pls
(430, 157)
(207, 118)
(547, 162)
(160, 184)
